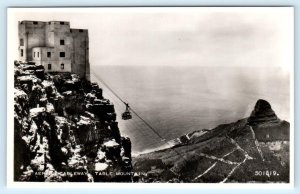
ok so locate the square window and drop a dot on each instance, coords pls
(62, 54)
(62, 66)
(48, 54)
(80, 30)
(22, 52)
(21, 42)
(35, 23)
(62, 42)
(49, 66)
(62, 23)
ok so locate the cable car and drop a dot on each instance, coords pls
(126, 115)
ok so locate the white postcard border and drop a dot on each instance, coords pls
(10, 124)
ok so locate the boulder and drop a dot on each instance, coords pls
(99, 166)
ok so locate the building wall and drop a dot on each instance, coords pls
(87, 64)
(80, 62)
(55, 37)
(49, 35)
(36, 55)
(54, 30)
(58, 64)
(33, 34)
(22, 46)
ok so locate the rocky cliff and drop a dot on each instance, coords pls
(253, 149)
(64, 130)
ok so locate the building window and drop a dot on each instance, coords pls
(62, 23)
(33, 54)
(48, 54)
(35, 23)
(49, 23)
(21, 42)
(62, 42)
(62, 66)
(49, 66)
(22, 52)
(62, 54)
(38, 54)
(80, 30)
(70, 30)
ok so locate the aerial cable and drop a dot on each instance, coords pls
(101, 80)
(118, 104)
(146, 123)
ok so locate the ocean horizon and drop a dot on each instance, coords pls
(176, 100)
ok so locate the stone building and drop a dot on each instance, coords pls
(56, 46)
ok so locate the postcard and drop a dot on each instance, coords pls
(142, 96)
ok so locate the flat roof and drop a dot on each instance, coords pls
(43, 21)
(43, 47)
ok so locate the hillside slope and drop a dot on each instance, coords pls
(254, 149)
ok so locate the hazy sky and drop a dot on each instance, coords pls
(177, 36)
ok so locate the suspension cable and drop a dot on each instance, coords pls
(146, 123)
(106, 85)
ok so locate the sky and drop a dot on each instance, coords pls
(211, 36)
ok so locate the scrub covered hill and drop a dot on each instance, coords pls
(254, 149)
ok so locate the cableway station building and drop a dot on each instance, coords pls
(56, 46)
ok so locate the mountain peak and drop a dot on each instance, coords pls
(261, 103)
(262, 113)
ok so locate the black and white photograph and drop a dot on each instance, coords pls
(151, 95)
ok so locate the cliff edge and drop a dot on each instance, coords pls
(64, 130)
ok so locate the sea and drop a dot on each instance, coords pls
(176, 100)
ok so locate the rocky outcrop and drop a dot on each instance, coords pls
(266, 125)
(254, 149)
(65, 130)
(262, 113)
